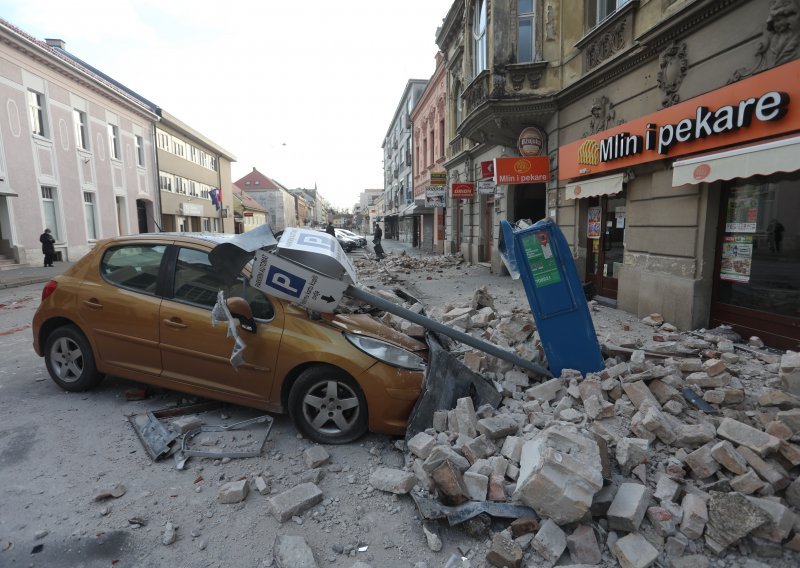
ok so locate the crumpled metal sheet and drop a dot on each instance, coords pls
(220, 312)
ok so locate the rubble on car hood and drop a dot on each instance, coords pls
(620, 465)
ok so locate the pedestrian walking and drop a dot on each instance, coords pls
(376, 240)
(330, 230)
(48, 247)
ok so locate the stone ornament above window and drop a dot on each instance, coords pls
(607, 44)
(603, 116)
(780, 39)
(673, 66)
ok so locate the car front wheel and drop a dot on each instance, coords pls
(70, 360)
(327, 405)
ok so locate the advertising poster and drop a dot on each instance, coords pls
(594, 229)
(541, 261)
(742, 214)
(434, 196)
(737, 258)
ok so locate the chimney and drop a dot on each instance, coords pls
(59, 43)
(254, 168)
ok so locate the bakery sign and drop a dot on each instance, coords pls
(751, 109)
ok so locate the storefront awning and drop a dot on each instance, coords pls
(608, 185)
(760, 159)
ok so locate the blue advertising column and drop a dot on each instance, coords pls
(542, 257)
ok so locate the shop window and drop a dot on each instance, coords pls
(759, 246)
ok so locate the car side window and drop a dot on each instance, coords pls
(133, 266)
(197, 282)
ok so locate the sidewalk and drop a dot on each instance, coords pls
(30, 274)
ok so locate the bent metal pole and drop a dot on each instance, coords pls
(434, 325)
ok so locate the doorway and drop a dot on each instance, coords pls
(488, 219)
(605, 243)
(530, 202)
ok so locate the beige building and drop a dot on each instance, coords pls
(76, 152)
(607, 105)
(247, 212)
(189, 167)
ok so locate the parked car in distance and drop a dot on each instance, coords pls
(361, 240)
(139, 307)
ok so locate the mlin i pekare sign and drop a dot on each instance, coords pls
(762, 106)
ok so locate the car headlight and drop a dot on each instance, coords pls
(386, 352)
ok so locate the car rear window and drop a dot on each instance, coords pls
(133, 266)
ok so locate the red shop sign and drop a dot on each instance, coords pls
(464, 190)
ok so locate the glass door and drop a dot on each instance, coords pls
(605, 246)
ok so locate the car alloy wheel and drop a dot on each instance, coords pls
(328, 406)
(70, 360)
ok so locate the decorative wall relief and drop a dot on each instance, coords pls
(518, 79)
(673, 65)
(780, 39)
(605, 45)
(603, 116)
(549, 22)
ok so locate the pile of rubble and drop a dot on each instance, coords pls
(685, 460)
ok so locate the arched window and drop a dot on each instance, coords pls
(479, 36)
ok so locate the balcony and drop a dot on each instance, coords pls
(499, 103)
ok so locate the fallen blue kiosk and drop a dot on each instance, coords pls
(540, 256)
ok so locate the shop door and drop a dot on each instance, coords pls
(757, 269)
(606, 235)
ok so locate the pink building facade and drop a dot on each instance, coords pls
(429, 128)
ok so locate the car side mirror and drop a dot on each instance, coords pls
(241, 310)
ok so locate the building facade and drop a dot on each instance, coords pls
(678, 170)
(273, 197)
(76, 153)
(189, 167)
(247, 213)
(400, 222)
(429, 130)
(656, 134)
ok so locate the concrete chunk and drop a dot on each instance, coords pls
(695, 516)
(316, 456)
(466, 418)
(289, 503)
(747, 436)
(394, 481)
(583, 547)
(497, 426)
(629, 507)
(731, 517)
(633, 551)
(727, 456)
(560, 471)
(293, 552)
(421, 445)
(233, 492)
(504, 552)
(550, 542)
(545, 391)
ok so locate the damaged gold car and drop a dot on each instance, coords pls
(139, 308)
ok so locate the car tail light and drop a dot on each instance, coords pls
(49, 288)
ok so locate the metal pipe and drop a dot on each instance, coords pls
(434, 325)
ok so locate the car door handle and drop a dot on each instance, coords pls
(93, 303)
(176, 323)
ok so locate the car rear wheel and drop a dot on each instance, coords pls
(327, 406)
(70, 360)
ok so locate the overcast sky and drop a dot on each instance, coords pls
(303, 91)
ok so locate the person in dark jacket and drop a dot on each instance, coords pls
(48, 247)
(378, 235)
(330, 230)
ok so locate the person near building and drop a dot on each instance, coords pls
(376, 240)
(330, 230)
(48, 247)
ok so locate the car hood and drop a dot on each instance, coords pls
(363, 324)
